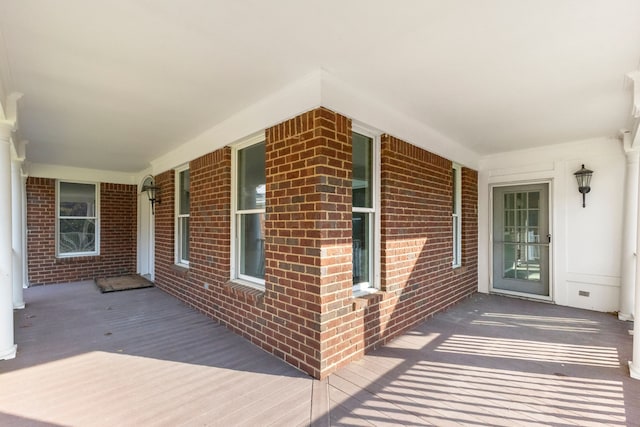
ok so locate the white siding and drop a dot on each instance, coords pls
(586, 242)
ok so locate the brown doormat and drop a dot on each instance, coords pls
(123, 283)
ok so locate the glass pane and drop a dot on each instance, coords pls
(77, 199)
(509, 261)
(534, 254)
(533, 218)
(362, 171)
(184, 239)
(508, 201)
(184, 192)
(533, 235)
(533, 257)
(77, 235)
(252, 245)
(510, 234)
(534, 200)
(456, 240)
(361, 247)
(251, 177)
(454, 207)
(522, 218)
(529, 263)
(521, 202)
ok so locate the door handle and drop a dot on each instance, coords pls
(549, 237)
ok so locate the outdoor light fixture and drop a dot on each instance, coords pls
(583, 176)
(151, 189)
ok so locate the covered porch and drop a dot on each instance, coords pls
(143, 358)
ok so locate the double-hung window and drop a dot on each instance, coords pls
(363, 212)
(456, 215)
(182, 216)
(249, 213)
(77, 222)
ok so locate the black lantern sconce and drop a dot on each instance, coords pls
(583, 176)
(151, 189)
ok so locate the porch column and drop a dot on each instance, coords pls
(629, 233)
(7, 345)
(634, 364)
(17, 230)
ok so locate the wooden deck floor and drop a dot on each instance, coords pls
(140, 357)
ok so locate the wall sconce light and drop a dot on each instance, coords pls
(151, 189)
(583, 176)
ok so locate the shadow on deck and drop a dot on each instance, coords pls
(143, 358)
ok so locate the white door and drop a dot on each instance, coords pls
(145, 234)
(521, 240)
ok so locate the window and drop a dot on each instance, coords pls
(456, 217)
(77, 221)
(363, 212)
(249, 206)
(182, 216)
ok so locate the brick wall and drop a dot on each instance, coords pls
(417, 278)
(309, 236)
(118, 221)
(307, 315)
(204, 285)
(308, 167)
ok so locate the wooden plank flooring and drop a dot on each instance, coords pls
(138, 358)
(142, 358)
(495, 361)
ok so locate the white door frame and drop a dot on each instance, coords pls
(146, 234)
(549, 182)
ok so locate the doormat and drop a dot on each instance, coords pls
(123, 283)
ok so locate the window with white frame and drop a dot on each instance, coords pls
(249, 212)
(182, 216)
(77, 222)
(363, 212)
(456, 215)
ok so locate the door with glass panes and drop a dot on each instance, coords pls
(521, 240)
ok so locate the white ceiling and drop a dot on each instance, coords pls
(115, 84)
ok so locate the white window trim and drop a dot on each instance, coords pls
(97, 219)
(457, 218)
(177, 235)
(374, 234)
(235, 275)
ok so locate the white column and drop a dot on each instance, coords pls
(634, 364)
(629, 236)
(7, 345)
(17, 231)
(25, 254)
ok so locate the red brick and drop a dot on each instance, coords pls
(118, 227)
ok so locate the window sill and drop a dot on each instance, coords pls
(364, 299)
(180, 270)
(76, 259)
(459, 269)
(364, 292)
(245, 290)
(77, 255)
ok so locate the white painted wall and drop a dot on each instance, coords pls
(41, 170)
(314, 90)
(146, 238)
(586, 242)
